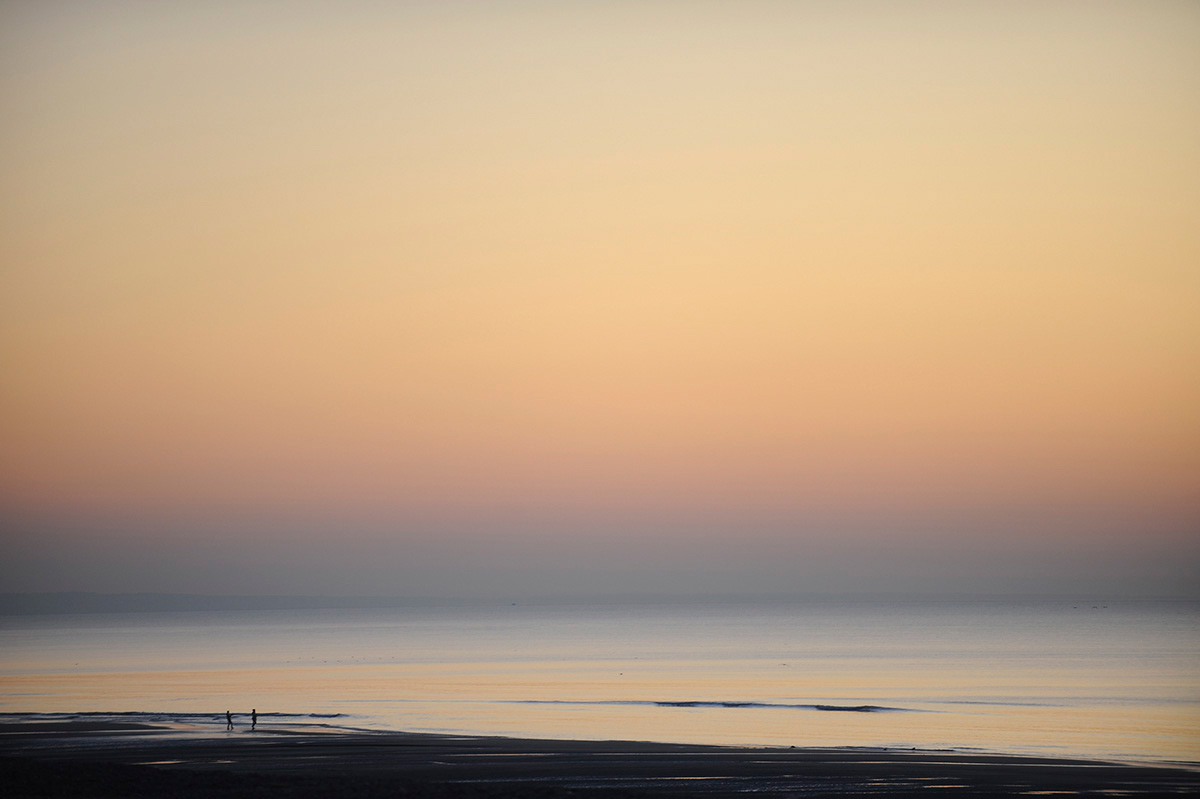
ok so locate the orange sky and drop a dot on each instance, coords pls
(909, 271)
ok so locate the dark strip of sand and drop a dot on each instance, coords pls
(94, 759)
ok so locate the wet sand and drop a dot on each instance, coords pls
(107, 759)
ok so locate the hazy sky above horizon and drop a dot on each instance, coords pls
(441, 298)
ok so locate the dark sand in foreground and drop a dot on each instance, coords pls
(105, 759)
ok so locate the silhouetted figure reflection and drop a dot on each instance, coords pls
(228, 720)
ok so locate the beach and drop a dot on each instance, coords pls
(102, 758)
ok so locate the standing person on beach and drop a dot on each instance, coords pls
(253, 718)
(228, 720)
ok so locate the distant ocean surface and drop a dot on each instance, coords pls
(1109, 680)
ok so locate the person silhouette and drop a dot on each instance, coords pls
(253, 718)
(228, 720)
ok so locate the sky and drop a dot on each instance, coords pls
(518, 298)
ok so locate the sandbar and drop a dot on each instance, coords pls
(96, 758)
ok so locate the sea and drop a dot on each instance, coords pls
(1111, 680)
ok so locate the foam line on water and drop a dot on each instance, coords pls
(719, 704)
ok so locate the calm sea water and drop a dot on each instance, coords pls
(1116, 680)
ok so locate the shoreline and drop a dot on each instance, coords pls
(97, 757)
